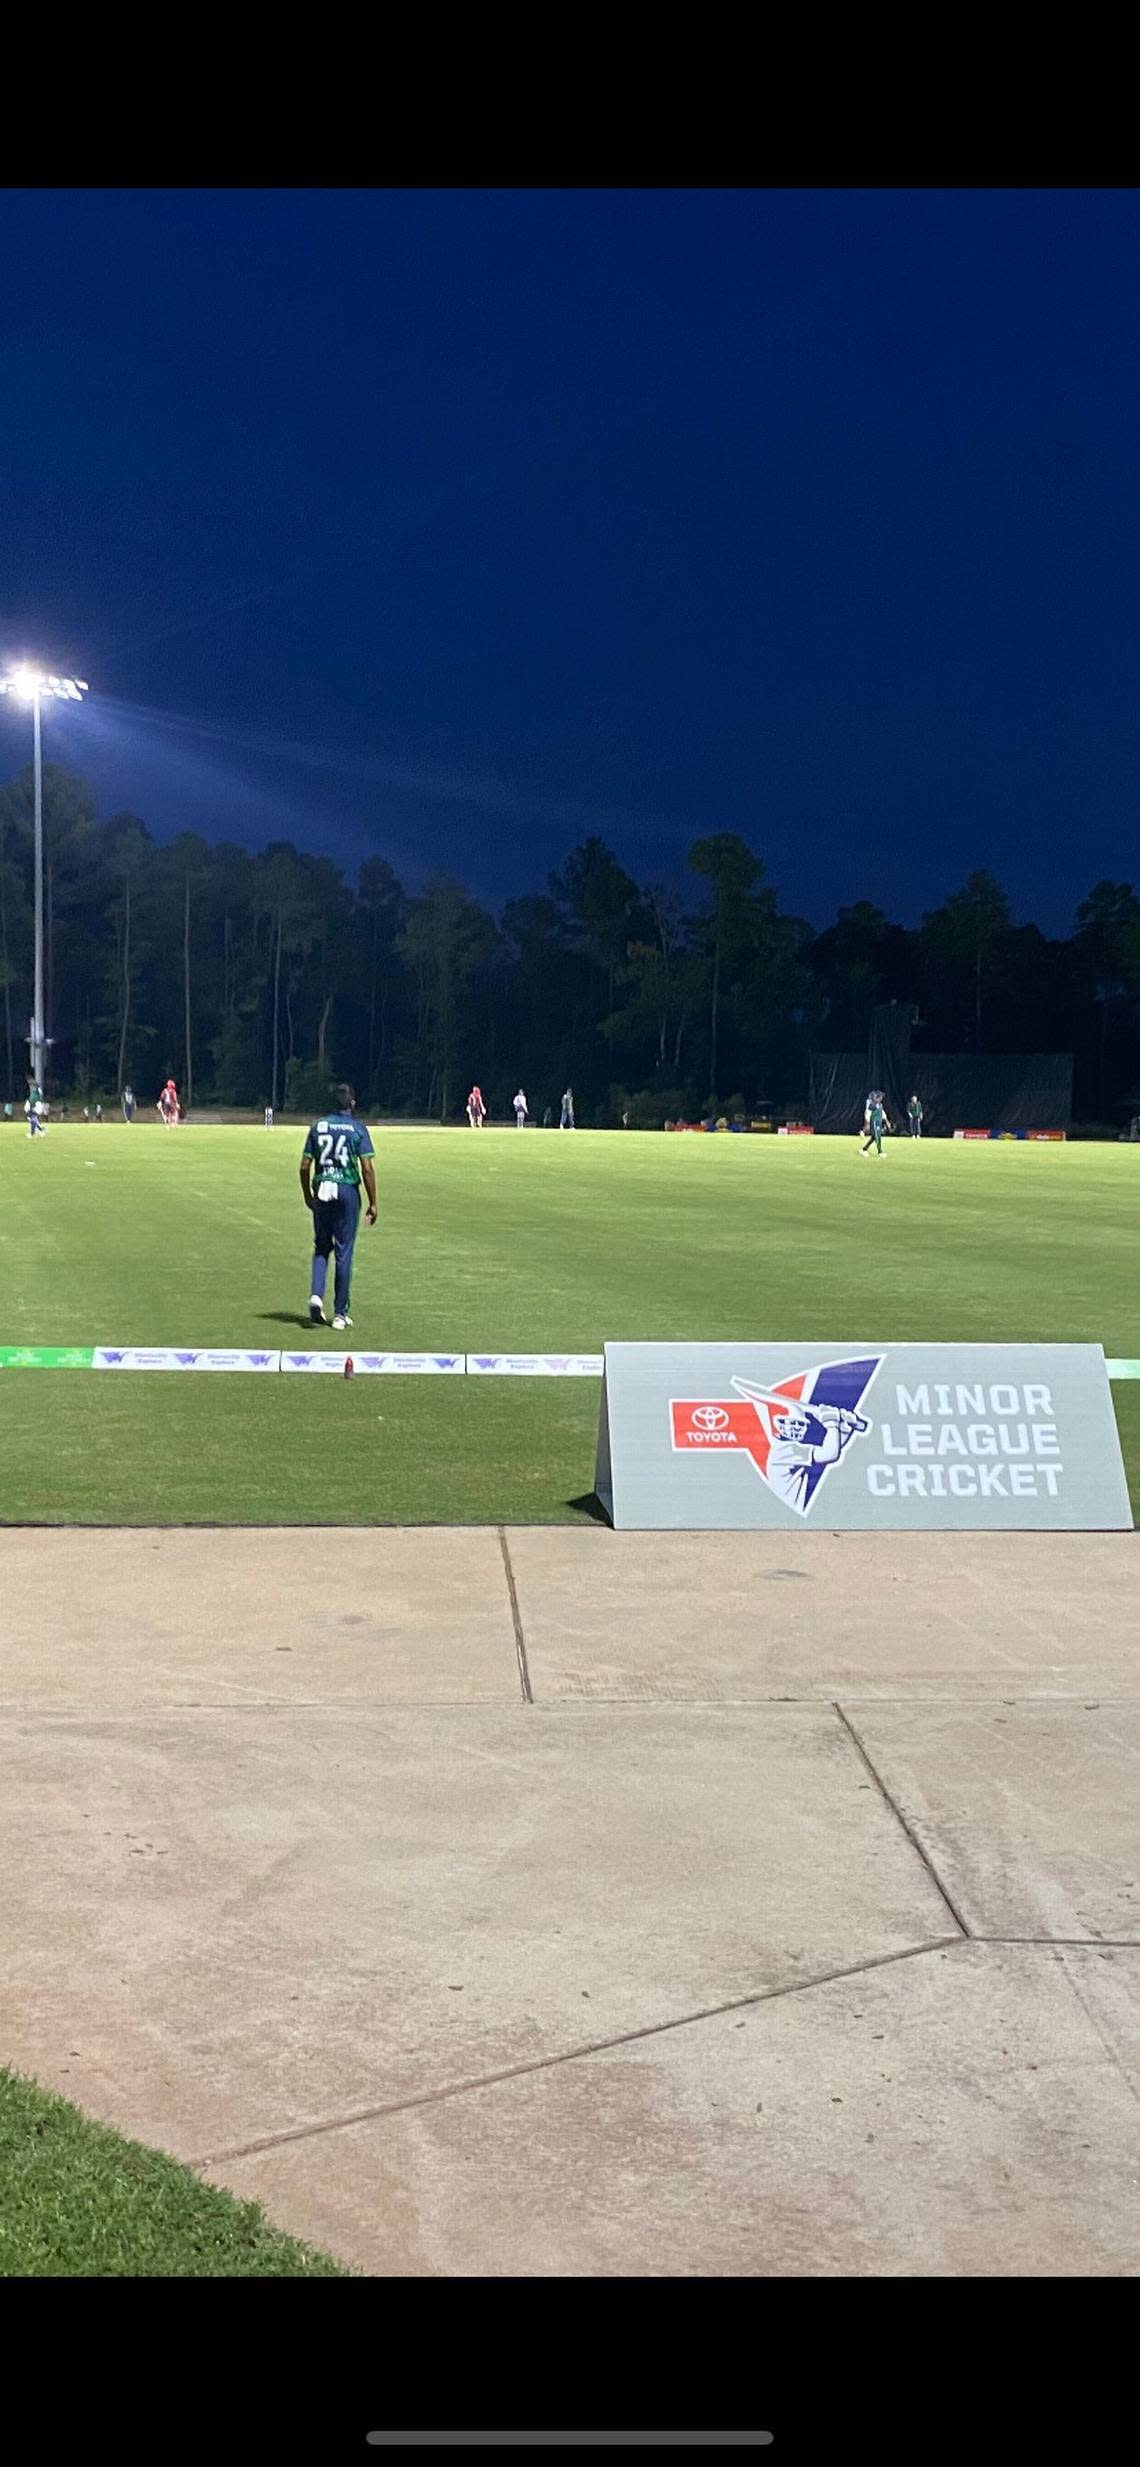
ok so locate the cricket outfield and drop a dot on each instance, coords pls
(494, 1242)
(550, 1902)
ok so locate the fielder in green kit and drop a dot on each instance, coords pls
(339, 1151)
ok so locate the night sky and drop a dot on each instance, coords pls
(454, 526)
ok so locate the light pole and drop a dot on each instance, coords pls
(32, 685)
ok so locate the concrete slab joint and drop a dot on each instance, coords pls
(575, 1904)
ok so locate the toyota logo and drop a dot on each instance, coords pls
(710, 1417)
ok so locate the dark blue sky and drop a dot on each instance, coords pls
(457, 525)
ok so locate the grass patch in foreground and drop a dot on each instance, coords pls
(495, 1243)
(80, 2202)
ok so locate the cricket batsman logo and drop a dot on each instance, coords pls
(793, 1433)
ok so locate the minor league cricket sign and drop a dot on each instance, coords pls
(848, 1437)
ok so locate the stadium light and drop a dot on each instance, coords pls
(35, 687)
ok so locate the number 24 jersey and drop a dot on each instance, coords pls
(336, 1145)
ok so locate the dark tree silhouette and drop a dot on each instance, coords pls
(254, 978)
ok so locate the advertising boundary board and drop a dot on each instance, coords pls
(47, 1357)
(183, 1358)
(534, 1365)
(401, 1365)
(370, 1364)
(853, 1437)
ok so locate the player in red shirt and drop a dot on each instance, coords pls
(476, 1109)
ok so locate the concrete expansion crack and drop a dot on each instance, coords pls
(569, 2055)
(516, 1619)
(903, 1821)
(1114, 2054)
(1084, 1944)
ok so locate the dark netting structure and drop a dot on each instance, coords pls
(978, 1092)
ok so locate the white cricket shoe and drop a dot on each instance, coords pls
(342, 1320)
(317, 1311)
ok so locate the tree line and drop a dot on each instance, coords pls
(257, 978)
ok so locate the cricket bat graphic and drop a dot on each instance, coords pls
(758, 1395)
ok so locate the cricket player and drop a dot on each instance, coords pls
(791, 1454)
(127, 1100)
(269, 1117)
(567, 1122)
(476, 1109)
(914, 1116)
(875, 1124)
(521, 1110)
(36, 1110)
(341, 1150)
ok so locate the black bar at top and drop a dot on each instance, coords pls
(692, 2441)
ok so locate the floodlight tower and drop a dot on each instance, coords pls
(33, 686)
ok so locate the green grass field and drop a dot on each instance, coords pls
(495, 1243)
(80, 2202)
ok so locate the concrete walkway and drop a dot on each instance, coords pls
(567, 1902)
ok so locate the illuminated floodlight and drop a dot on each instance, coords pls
(30, 684)
(35, 686)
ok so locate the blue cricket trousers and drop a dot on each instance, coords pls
(336, 1223)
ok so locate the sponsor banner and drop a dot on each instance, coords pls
(971, 1134)
(535, 1365)
(181, 1358)
(46, 1357)
(796, 1130)
(1061, 1135)
(403, 1365)
(852, 1437)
